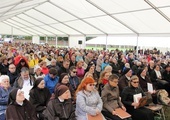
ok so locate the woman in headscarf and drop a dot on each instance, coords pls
(19, 108)
(39, 96)
(60, 108)
(127, 98)
(64, 80)
(88, 100)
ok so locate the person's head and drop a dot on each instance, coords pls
(73, 58)
(105, 75)
(53, 62)
(73, 71)
(64, 78)
(134, 81)
(37, 70)
(127, 65)
(127, 72)
(87, 84)
(157, 67)
(12, 68)
(4, 60)
(142, 72)
(88, 74)
(113, 80)
(62, 92)
(44, 64)
(106, 61)
(108, 68)
(151, 63)
(66, 64)
(22, 62)
(4, 81)
(25, 73)
(16, 95)
(100, 56)
(91, 68)
(79, 64)
(60, 59)
(52, 73)
(39, 83)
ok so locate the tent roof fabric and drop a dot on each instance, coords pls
(85, 17)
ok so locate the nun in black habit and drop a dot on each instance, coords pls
(19, 108)
(39, 96)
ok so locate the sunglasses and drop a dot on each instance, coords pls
(74, 71)
(135, 82)
(91, 84)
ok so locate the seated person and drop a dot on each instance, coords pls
(4, 93)
(19, 108)
(61, 107)
(111, 99)
(127, 95)
(88, 100)
(39, 96)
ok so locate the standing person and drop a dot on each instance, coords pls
(88, 100)
(128, 93)
(19, 108)
(39, 96)
(111, 98)
(61, 107)
(4, 93)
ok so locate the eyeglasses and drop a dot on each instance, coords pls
(74, 71)
(135, 82)
(91, 84)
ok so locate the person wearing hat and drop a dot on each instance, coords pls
(61, 107)
(127, 98)
(64, 80)
(88, 100)
(124, 79)
(39, 96)
(143, 78)
(19, 108)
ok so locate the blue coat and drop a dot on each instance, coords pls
(4, 99)
(50, 83)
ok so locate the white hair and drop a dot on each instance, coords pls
(3, 77)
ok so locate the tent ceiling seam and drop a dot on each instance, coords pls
(78, 17)
(112, 17)
(59, 21)
(157, 10)
(45, 23)
(18, 28)
(26, 26)
(36, 25)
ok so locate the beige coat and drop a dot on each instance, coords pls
(110, 98)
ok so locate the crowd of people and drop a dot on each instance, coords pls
(41, 82)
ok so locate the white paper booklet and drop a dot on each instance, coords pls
(137, 97)
(150, 87)
(26, 90)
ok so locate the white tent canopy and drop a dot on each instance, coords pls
(132, 41)
(85, 17)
